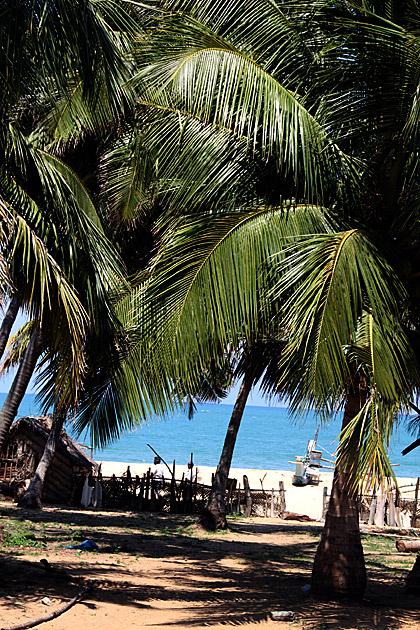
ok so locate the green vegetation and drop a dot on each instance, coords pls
(17, 534)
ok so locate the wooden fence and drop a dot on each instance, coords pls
(393, 508)
(185, 496)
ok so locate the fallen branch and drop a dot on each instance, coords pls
(293, 516)
(53, 615)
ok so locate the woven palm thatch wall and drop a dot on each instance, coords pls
(68, 470)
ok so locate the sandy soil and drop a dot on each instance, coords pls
(157, 571)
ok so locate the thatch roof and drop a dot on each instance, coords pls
(42, 426)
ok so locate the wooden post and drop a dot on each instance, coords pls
(195, 489)
(147, 490)
(172, 500)
(141, 494)
(379, 516)
(282, 498)
(416, 498)
(181, 497)
(248, 507)
(238, 500)
(136, 486)
(324, 501)
(231, 487)
(272, 504)
(391, 520)
(152, 505)
(372, 511)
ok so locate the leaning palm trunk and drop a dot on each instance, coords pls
(32, 499)
(214, 514)
(339, 570)
(19, 386)
(8, 321)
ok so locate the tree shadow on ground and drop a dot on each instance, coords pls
(232, 579)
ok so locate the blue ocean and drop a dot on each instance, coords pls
(268, 439)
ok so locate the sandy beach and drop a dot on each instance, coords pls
(304, 500)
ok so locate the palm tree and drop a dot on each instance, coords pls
(247, 105)
(61, 78)
(31, 499)
(62, 82)
(257, 363)
(8, 321)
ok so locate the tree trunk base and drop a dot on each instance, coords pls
(339, 571)
(413, 579)
(30, 502)
(212, 520)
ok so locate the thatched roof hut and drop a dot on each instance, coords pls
(25, 446)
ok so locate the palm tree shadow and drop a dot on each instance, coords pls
(230, 578)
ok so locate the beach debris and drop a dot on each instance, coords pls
(86, 545)
(46, 601)
(282, 615)
(306, 588)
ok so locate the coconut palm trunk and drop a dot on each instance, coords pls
(214, 514)
(339, 570)
(8, 321)
(32, 498)
(19, 386)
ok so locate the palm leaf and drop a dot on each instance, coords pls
(365, 442)
(16, 347)
(205, 76)
(207, 285)
(331, 281)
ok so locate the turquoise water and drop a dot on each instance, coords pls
(267, 439)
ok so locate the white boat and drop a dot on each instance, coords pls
(308, 467)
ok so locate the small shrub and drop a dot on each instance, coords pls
(17, 534)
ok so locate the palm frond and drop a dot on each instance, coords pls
(16, 347)
(46, 44)
(48, 289)
(200, 164)
(365, 442)
(262, 26)
(207, 285)
(206, 77)
(331, 280)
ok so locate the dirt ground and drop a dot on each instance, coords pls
(162, 572)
